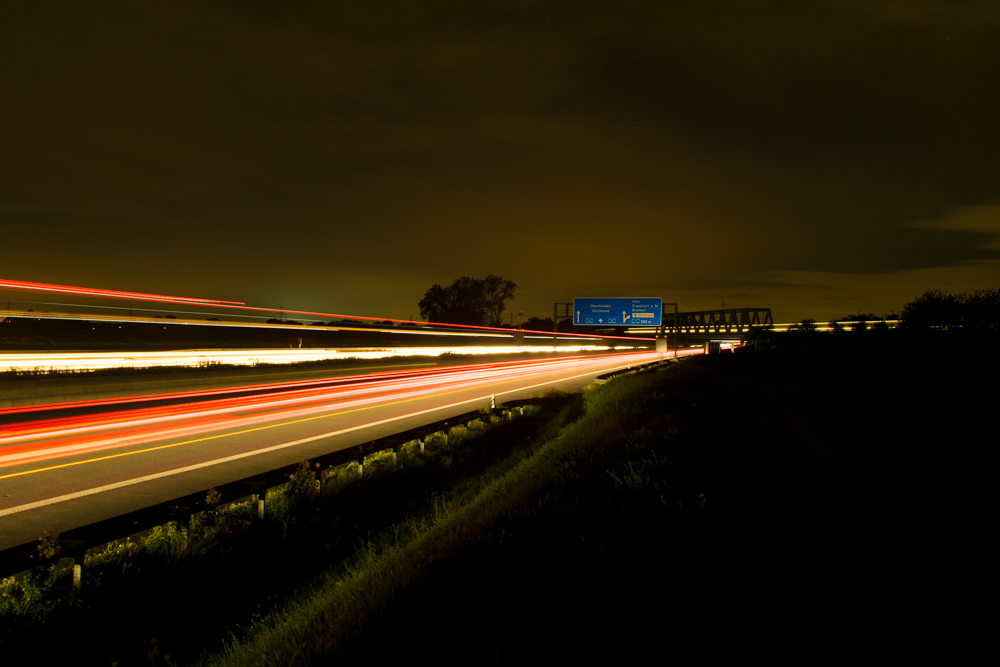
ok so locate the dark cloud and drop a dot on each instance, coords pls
(343, 156)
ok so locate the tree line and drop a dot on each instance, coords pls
(978, 311)
(483, 301)
(468, 300)
(934, 315)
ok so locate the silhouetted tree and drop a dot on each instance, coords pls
(982, 310)
(496, 292)
(467, 300)
(936, 309)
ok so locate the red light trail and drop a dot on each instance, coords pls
(239, 305)
(24, 286)
(219, 410)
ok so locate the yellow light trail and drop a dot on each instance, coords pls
(82, 361)
(266, 427)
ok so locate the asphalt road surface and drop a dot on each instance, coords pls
(71, 466)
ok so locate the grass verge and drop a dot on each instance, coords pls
(787, 505)
(341, 603)
(194, 586)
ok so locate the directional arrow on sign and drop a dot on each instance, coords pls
(624, 317)
(578, 317)
(600, 320)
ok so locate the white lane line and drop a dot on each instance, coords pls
(205, 464)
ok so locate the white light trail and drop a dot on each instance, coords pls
(84, 361)
(66, 436)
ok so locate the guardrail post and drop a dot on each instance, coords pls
(77, 575)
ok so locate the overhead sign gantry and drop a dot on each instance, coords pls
(617, 311)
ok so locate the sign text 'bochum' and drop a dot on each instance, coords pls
(617, 311)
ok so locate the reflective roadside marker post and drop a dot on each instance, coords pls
(260, 504)
(77, 575)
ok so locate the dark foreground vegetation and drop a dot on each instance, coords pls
(813, 497)
(166, 597)
(797, 503)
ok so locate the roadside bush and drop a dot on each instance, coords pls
(302, 481)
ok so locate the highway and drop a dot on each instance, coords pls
(66, 465)
(237, 369)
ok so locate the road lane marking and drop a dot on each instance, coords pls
(235, 457)
(323, 415)
(87, 492)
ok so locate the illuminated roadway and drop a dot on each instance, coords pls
(64, 468)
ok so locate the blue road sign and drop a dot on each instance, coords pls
(617, 311)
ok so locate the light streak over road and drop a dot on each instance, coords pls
(79, 361)
(235, 305)
(62, 467)
(22, 285)
(51, 438)
(45, 439)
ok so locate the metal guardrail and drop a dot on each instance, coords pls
(75, 542)
(637, 368)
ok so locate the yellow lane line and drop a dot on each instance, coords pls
(226, 435)
(211, 437)
(273, 448)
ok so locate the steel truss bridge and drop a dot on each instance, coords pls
(721, 324)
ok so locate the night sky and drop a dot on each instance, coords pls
(812, 157)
